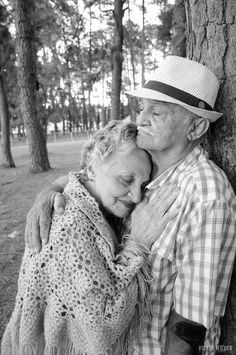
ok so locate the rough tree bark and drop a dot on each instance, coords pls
(211, 40)
(28, 84)
(7, 160)
(117, 59)
(178, 44)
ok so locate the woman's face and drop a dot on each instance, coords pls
(119, 181)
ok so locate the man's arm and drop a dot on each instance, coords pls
(208, 256)
(205, 267)
(38, 219)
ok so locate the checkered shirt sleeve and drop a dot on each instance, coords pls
(204, 263)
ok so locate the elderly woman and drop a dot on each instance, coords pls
(84, 294)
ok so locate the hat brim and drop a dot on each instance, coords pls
(155, 95)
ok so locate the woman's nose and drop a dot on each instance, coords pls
(135, 194)
(143, 116)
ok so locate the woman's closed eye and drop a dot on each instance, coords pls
(127, 180)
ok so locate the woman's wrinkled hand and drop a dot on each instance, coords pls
(151, 216)
(38, 220)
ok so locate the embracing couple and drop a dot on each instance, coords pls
(139, 259)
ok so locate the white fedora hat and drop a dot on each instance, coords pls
(184, 82)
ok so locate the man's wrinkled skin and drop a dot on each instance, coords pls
(38, 220)
(144, 217)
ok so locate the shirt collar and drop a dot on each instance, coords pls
(179, 165)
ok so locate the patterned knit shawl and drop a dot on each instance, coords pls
(76, 296)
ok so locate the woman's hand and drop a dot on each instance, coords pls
(151, 216)
(38, 220)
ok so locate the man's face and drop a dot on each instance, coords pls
(162, 126)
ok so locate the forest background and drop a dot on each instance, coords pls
(65, 66)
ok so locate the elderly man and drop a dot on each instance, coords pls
(193, 258)
(195, 254)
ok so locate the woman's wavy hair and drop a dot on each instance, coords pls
(106, 141)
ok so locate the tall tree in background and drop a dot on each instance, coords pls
(133, 51)
(117, 59)
(6, 49)
(28, 84)
(178, 43)
(143, 43)
(164, 29)
(7, 160)
(211, 40)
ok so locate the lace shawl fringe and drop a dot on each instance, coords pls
(142, 317)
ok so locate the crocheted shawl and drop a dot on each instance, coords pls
(75, 296)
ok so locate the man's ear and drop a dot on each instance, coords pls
(198, 128)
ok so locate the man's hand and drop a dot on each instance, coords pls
(38, 220)
(151, 216)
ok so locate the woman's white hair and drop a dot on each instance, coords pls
(116, 135)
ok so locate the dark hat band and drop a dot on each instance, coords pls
(178, 94)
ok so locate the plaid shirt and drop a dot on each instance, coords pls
(193, 258)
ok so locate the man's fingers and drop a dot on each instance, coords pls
(59, 203)
(39, 218)
(44, 226)
(28, 230)
(35, 242)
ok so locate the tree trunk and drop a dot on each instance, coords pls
(211, 40)
(117, 59)
(85, 114)
(178, 45)
(7, 160)
(132, 62)
(132, 45)
(28, 83)
(90, 71)
(143, 42)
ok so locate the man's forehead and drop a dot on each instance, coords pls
(156, 103)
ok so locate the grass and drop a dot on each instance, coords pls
(17, 192)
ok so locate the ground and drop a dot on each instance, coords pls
(17, 192)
